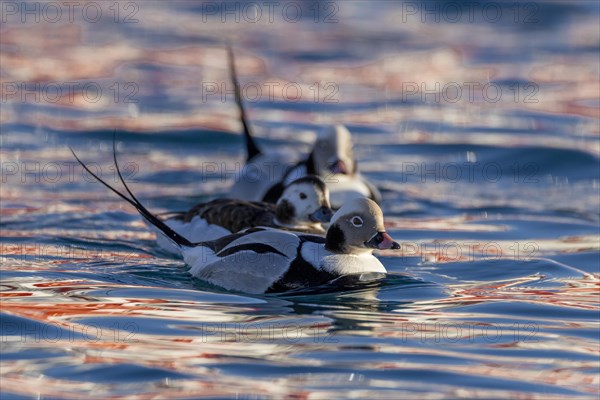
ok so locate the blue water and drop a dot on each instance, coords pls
(493, 197)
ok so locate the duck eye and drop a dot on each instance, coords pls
(302, 196)
(357, 221)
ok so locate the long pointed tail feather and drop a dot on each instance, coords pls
(170, 233)
(252, 148)
(119, 171)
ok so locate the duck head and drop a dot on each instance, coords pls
(358, 228)
(333, 154)
(304, 201)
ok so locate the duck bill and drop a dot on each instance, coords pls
(323, 214)
(382, 241)
(339, 167)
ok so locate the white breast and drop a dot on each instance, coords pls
(352, 264)
(340, 264)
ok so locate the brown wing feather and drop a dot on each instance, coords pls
(234, 215)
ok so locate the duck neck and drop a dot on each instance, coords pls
(310, 165)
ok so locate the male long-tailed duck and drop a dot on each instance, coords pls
(264, 176)
(262, 260)
(302, 207)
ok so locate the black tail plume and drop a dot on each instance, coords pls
(252, 148)
(170, 233)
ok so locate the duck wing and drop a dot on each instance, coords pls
(234, 215)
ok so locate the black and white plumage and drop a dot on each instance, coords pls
(332, 159)
(261, 260)
(303, 207)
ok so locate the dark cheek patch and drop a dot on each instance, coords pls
(285, 212)
(335, 240)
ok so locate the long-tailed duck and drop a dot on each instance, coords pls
(264, 176)
(302, 207)
(262, 260)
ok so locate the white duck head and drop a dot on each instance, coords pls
(304, 202)
(333, 154)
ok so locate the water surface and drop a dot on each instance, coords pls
(481, 131)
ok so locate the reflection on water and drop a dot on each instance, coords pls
(482, 132)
